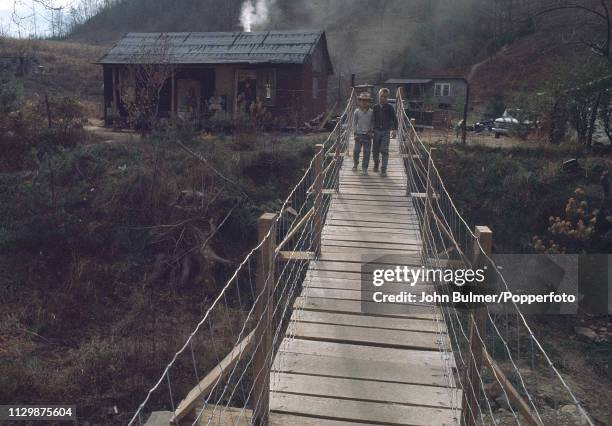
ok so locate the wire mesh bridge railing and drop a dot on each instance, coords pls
(496, 354)
(225, 361)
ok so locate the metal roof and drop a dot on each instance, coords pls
(284, 47)
(408, 80)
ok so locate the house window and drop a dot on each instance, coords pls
(442, 89)
(315, 88)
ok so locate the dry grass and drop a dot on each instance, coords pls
(69, 68)
(485, 139)
(107, 365)
(88, 323)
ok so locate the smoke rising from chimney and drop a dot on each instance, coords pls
(255, 13)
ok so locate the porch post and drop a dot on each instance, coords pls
(173, 95)
(115, 89)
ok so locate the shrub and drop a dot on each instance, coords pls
(65, 119)
(11, 93)
(30, 128)
(273, 167)
(574, 230)
(515, 191)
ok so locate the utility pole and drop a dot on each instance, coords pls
(465, 112)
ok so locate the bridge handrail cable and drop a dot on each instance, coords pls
(438, 213)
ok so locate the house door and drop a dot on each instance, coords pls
(246, 90)
(255, 85)
(188, 99)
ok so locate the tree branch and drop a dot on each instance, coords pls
(604, 4)
(602, 50)
(570, 6)
(48, 5)
(595, 47)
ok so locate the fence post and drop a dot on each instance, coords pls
(318, 199)
(265, 278)
(477, 329)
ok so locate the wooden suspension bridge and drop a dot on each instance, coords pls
(337, 363)
(343, 365)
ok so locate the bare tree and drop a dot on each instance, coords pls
(600, 44)
(605, 113)
(27, 14)
(585, 111)
(143, 80)
(4, 29)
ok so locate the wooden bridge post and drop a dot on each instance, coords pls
(265, 278)
(429, 194)
(413, 135)
(403, 138)
(318, 199)
(337, 159)
(477, 329)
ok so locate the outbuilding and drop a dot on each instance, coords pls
(434, 101)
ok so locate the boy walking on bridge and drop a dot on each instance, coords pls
(384, 121)
(363, 120)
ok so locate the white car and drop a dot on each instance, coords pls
(507, 122)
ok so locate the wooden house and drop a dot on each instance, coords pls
(434, 101)
(224, 73)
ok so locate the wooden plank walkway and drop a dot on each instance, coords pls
(338, 365)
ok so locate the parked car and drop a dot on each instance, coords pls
(483, 125)
(507, 123)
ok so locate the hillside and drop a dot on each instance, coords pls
(377, 40)
(532, 56)
(59, 68)
(109, 24)
(373, 40)
(368, 38)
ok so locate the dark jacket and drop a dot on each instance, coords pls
(384, 117)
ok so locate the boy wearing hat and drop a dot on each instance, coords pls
(363, 123)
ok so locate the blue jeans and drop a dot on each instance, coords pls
(380, 147)
(365, 142)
